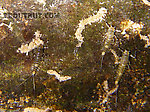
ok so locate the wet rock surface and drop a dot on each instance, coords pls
(100, 78)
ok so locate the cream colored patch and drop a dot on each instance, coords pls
(36, 42)
(81, 26)
(58, 77)
(130, 25)
(33, 110)
(146, 2)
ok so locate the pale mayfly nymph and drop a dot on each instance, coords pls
(107, 43)
(123, 62)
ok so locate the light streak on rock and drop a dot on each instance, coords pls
(36, 42)
(58, 77)
(146, 2)
(81, 26)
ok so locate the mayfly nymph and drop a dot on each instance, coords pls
(123, 62)
(107, 42)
